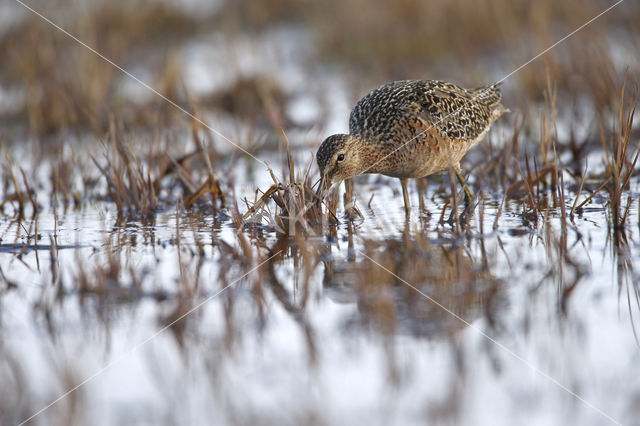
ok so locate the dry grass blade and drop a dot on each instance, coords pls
(209, 186)
(582, 179)
(17, 194)
(261, 201)
(213, 183)
(529, 181)
(164, 190)
(617, 155)
(593, 194)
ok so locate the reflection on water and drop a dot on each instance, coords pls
(379, 316)
(125, 267)
(452, 286)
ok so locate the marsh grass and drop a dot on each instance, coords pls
(129, 185)
(141, 185)
(383, 41)
(17, 190)
(619, 161)
(298, 205)
(536, 167)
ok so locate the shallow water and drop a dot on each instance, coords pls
(186, 317)
(491, 328)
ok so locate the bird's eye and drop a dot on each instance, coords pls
(340, 157)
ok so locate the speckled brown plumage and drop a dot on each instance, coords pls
(410, 129)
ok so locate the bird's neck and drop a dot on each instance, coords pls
(372, 156)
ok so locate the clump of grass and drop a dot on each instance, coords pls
(298, 206)
(17, 190)
(620, 165)
(129, 184)
(135, 183)
(71, 179)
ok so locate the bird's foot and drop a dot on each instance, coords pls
(452, 218)
(469, 208)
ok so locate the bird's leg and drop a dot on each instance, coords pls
(421, 185)
(405, 195)
(350, 210)
(468, 199)
(468, 195)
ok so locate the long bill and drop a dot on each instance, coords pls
(322, 188)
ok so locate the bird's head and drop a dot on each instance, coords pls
(338, 159)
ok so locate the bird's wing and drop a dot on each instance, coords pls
(452, 111)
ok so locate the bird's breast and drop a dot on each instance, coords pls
(420, 157)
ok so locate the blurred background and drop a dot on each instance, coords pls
(120, 214)
(298, 64)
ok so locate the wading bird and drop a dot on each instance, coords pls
(410, 129)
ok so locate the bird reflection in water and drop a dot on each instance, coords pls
(411, 286)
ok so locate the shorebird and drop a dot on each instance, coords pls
(410, 129)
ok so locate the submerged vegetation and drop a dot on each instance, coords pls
(120, 215)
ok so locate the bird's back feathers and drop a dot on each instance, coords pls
(405, 108)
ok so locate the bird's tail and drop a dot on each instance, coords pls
(491, 96)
